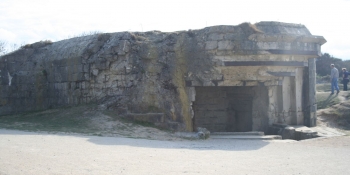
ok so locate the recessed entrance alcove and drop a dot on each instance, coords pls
(231, 109)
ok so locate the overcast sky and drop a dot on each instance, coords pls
(28, 21)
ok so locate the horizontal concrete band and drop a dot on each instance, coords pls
(189, 83)
(292, 52)
(282, 74)
(288, 38)
(266, 63)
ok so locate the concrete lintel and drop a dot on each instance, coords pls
(273, 83)
(242, 83)
(190, 83)
(282, 74)
(293, 52)
(266, 63)
(219, 60)
(313, 39)
(224, 83)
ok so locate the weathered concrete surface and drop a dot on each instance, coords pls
(33, 153)
(300, 132)
(289, 133)
(136, 73)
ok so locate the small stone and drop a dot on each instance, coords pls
(95, 72)
(288, 133)
(203, 133)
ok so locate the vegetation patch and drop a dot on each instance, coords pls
(326, 87)
(326, 100)
(86, 120)
(73, 119)
(133, 123)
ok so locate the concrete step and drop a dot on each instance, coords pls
(251, 133)
(247, 137)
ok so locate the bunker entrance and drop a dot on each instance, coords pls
(223, 109)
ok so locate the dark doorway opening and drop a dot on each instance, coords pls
(223, 109)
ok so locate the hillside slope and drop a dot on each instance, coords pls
(333, 110)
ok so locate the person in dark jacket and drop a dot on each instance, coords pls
(345, 79)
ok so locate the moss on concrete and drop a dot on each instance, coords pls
(179, 81)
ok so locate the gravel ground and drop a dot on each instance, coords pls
(42, 153)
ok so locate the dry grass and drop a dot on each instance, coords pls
(37, 44)
(84, 120)
(333, 110)
(326, 87)
(249, 28)
(326, 100)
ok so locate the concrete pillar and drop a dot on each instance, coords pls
(271, 112)
(312, 106)
(298, 96)
(275, 106)
(287, 101)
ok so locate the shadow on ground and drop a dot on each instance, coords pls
(200, 145)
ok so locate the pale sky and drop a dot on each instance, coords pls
(28, 21)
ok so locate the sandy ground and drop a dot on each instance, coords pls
(40, 153)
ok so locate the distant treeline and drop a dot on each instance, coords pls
(323, 64)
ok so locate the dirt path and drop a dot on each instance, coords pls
(38, 153)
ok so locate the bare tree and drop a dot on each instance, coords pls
(3, 47)
(14, 47)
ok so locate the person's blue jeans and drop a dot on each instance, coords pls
(345, 83)
(335, 85)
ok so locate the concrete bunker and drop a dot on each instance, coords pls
(225, 78)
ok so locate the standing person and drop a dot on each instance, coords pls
(345, 79)
(334, 78)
